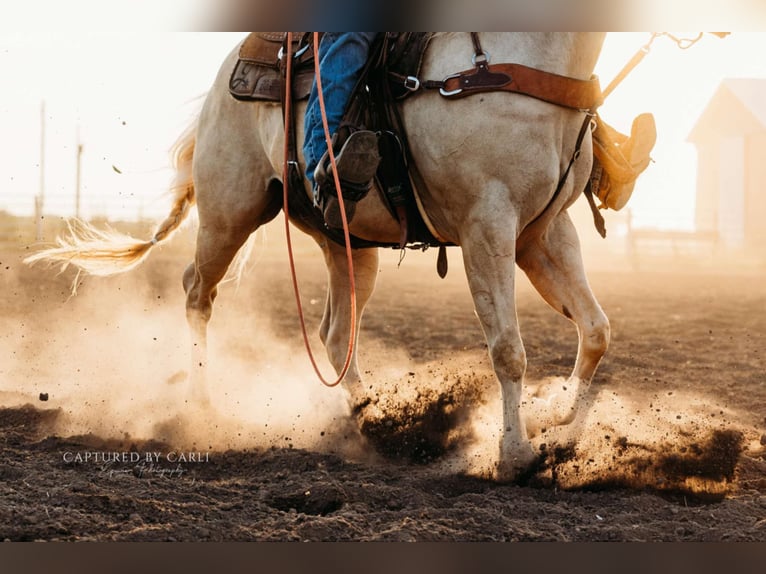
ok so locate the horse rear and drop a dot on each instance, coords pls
(492, 164)
(487, 167)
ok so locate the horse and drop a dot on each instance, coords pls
(493, 177)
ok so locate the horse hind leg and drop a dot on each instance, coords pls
(219, 238)
(489, 259)
(553, 263)
(216, 249)
(336, 322)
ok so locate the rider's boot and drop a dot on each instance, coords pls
(357, 163)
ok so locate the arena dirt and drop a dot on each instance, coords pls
(672, 447)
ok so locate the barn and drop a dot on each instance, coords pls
(730, 139)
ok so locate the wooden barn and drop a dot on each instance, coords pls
(730, 137)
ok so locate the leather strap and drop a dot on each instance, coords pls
(598, 219)
(584, 128)
(477, 49)
(517, 78)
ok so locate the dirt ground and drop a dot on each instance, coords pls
(99, 442)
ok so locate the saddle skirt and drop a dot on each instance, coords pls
(258, 74)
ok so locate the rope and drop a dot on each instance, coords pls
(632, 63)
(682, 43)
(349, 257)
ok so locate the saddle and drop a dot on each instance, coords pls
(259, 72)
(259, 75)
(392, 74)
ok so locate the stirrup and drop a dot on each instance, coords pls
(643, 136)
(357, 163)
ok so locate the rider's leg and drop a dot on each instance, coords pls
(342, 57)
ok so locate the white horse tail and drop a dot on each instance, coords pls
(107, 252)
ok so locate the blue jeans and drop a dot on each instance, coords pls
(342, 56)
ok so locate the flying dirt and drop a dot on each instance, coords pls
(672, 447)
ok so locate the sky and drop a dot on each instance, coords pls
(125, 96)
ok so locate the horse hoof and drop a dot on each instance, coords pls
(516, 463)
(541, 415)
(365, 410)
(553, 404)
(511, 471)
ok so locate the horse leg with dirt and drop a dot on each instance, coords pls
(493, 179)
(237, 177)
(495, 186)
(235, 193)
(336, 321)
(553, 264)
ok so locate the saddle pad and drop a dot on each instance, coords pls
(257, 74)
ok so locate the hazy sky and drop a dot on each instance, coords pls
(130, 94)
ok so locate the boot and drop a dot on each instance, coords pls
(357, 163)
(623, 158)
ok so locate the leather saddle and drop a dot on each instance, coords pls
(259, 72)
(259, 75)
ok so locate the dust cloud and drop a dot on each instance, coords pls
(449, 415)
(114, 360)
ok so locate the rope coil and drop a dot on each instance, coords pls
(346, 234)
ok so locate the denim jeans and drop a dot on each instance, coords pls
(342, 56)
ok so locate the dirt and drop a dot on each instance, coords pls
(99, 441)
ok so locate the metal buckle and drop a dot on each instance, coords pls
(412, 83)
(297, 54)
(451, 92)
(300, 52)
(484, 55)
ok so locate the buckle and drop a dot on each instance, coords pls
(296, 55)
(412, 83)
(445, 93)
(480, 58)
(300, 52)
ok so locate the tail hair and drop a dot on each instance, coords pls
(108, 252)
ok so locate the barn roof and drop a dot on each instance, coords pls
(737, 107)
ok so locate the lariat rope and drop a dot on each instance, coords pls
(346, 235)
(683, 43)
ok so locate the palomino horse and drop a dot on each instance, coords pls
(488, 168)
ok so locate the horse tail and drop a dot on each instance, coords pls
(107, 252)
